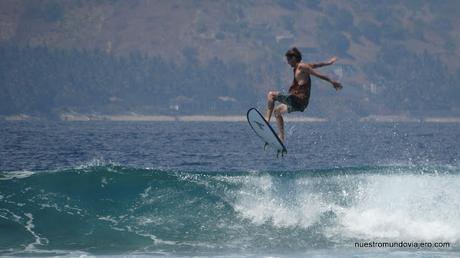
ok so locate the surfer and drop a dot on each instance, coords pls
(299, 92)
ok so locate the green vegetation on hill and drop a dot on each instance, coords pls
(43, 81)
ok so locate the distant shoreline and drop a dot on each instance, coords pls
(224, 118)
(188, 118)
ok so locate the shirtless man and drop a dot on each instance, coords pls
(299, 92)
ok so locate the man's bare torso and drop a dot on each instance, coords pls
(301, 75)
(301, 84)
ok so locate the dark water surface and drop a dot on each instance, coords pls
(223, 146)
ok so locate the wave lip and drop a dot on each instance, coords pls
(8, 175)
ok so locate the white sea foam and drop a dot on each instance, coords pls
(260, 201)
(155, 239)
(29, 227)
(109, 219)
(103, 182)
(9, 215)
(405, 207)
(16, 174)
(97, 162)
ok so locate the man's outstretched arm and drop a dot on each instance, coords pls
(321, 64)
(337, 85)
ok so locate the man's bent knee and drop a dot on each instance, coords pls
(279, 110)
(272, 95)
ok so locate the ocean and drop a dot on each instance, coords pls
(208, 189)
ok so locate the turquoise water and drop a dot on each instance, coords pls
(143, 189)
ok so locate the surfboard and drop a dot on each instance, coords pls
(265, 132)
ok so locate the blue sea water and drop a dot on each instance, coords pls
(208, 189)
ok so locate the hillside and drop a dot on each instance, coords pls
(393, 57)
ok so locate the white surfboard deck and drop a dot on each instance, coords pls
(265, 131)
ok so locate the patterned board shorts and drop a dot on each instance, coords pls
(290, 101)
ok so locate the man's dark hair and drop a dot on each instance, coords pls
(295, 53)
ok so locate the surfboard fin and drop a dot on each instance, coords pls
(282, 152)
(263, 129)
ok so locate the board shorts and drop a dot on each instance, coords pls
(291, 101)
